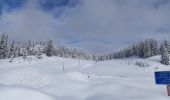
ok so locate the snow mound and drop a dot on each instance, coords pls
(26, 76)
(17, 93)
(77, 76)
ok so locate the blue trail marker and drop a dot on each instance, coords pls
(162, 77)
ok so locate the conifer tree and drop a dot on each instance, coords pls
(4, 46)
(50, 48)
(12, 51)
(167, 45)
(24, 53)
(165, 56)
(154, 47)
(146, 49)
(38, 52)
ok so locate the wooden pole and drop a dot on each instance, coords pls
(168, 90)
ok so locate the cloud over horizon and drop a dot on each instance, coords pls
(97, 25)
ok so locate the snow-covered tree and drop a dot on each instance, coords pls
(167, 45)
(146, 49)
(165, 56)
(162, 46)
(29, 48)
(38, 52)
(24, 53)
(140, 49)
(50, 48)
(94, 57)
(12, 51)
(18, 51)
(4, 46)
(154, 47)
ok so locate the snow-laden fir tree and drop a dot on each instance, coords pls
(50, 48)
(162, 46)
(146, 49)
(4, 46)
(38, 51)
(154, 47)
(94, 57)
(165, 55)
(24, 53)
(29, 48)
(140, 49)
(167, 45)
(18, 49)
(12, 51)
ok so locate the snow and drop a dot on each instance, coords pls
(77, 76)
(18, 93)
(54, 78)
(30, 77)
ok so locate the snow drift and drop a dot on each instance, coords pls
(45, 79)
(20, 93)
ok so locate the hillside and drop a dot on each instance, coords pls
(54, 78)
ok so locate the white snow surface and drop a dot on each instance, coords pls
(18, 93)
(54, 78)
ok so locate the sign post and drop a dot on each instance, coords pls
(163, 78)
(168, 90)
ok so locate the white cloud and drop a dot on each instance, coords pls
(119, 22)
(27, 23)
(109, 24)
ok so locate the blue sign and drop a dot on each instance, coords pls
(162, 77)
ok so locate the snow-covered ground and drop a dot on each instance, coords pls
(54, 78)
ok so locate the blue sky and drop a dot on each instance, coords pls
(46, 5)
(96, 25)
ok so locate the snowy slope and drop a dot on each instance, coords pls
(57, 78)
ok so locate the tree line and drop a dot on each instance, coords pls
(143, 49)
(13, 49)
